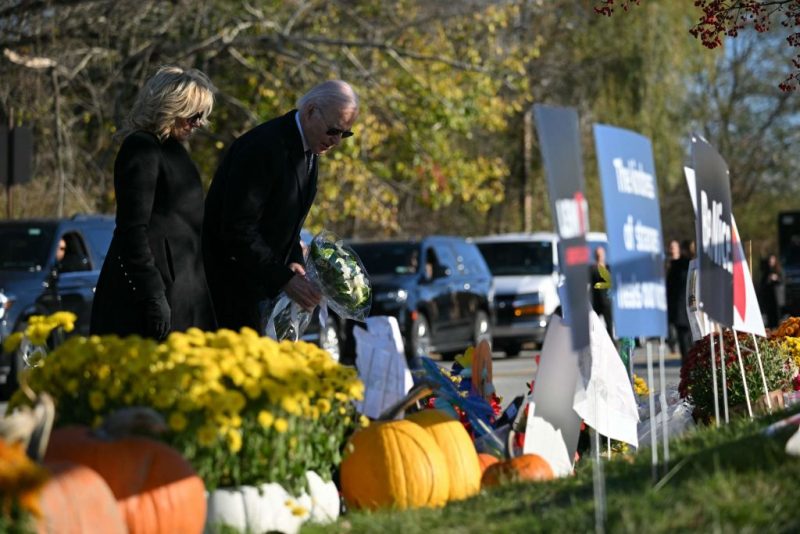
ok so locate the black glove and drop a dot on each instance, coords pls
(157, 317)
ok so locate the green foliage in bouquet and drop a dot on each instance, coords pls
(243, 409)
(696, 383)
(339, 271)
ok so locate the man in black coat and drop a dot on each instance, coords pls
(259, 200)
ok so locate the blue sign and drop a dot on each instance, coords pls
(633, 225)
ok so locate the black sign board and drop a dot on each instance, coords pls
(714, 233)
(21, 155)
(5, 163)
(559, 139)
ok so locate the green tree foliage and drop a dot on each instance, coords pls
(430, 78)
(444, 88)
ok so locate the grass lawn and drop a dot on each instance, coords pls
(729, 480)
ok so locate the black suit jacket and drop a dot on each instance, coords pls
(155, 250)
(255, 209)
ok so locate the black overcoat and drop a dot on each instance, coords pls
(255, 209)
(156, 248)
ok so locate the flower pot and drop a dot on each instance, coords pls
(776, 399)
(269, 507)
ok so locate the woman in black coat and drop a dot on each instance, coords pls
(153, 281)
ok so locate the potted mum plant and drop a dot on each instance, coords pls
(696, 383)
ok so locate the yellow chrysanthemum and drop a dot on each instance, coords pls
(177, 421)
(206, 435)
(97, 400)
(234, 438)
(265, 418)
(281, 425)
(640, 386)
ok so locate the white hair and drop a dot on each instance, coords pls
(329, 94)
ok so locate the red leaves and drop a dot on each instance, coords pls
(606, 7)
(725, 18)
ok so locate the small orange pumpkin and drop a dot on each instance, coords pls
(156, 489)
(486, 460)
(528, 467)
(76, 500)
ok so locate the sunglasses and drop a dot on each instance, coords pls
(196, 119)
(335, 131)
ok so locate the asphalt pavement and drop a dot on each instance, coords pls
(512, 374)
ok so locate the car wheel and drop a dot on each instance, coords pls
(420, 341)
(329, 339)
(512, 351)
(481, 328)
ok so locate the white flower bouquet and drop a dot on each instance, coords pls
(342, 279)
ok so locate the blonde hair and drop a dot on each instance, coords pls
(172, 93)
(330, 94)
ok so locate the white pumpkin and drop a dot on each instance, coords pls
(270, 507)
(325, 500)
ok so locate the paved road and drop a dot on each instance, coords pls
(511, 374)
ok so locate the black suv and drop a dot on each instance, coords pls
(48, 266)
(439, 288)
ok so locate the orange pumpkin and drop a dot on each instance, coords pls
(458, 448)
(485, 460)
(156, 488)
(528, 467)
(394, 464)
(76, 500)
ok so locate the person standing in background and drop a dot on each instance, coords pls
(673, 254)
(676, 298)
(153, 280)
(601, 302)
(771, 290)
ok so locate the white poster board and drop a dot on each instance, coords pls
(381, 364)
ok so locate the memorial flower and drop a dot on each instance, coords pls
(340, 276)
(696, 383)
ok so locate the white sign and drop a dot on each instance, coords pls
(381, 364)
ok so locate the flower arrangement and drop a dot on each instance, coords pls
(339, 272)
(696, 383)
(242, 409)
(342, 279)
(789, 327)
(21, 481)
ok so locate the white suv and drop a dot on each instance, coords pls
(525, 271)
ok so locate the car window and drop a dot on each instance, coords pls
(71, 254)
(446, 257)
(469, 259)
(518, 258)
(388, 258)
(25, 247)
(99, 239)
